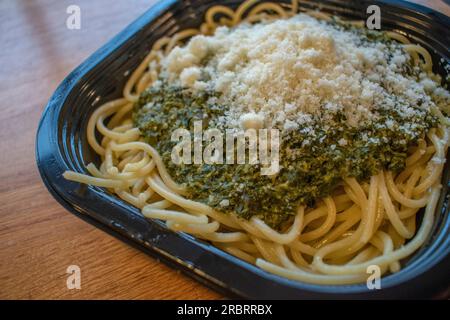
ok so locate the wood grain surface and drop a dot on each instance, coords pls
(38, 238)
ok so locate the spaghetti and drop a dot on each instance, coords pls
(333, 242)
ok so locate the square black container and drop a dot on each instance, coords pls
(61, 145)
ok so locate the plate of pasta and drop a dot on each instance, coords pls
(270, 149)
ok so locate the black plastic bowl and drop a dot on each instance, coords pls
(61, 145)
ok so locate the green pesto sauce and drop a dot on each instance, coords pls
(308, 171)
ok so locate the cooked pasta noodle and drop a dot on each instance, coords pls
(361, 224)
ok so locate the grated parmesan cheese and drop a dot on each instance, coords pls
(289, 72)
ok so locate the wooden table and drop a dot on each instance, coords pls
(38, 238)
